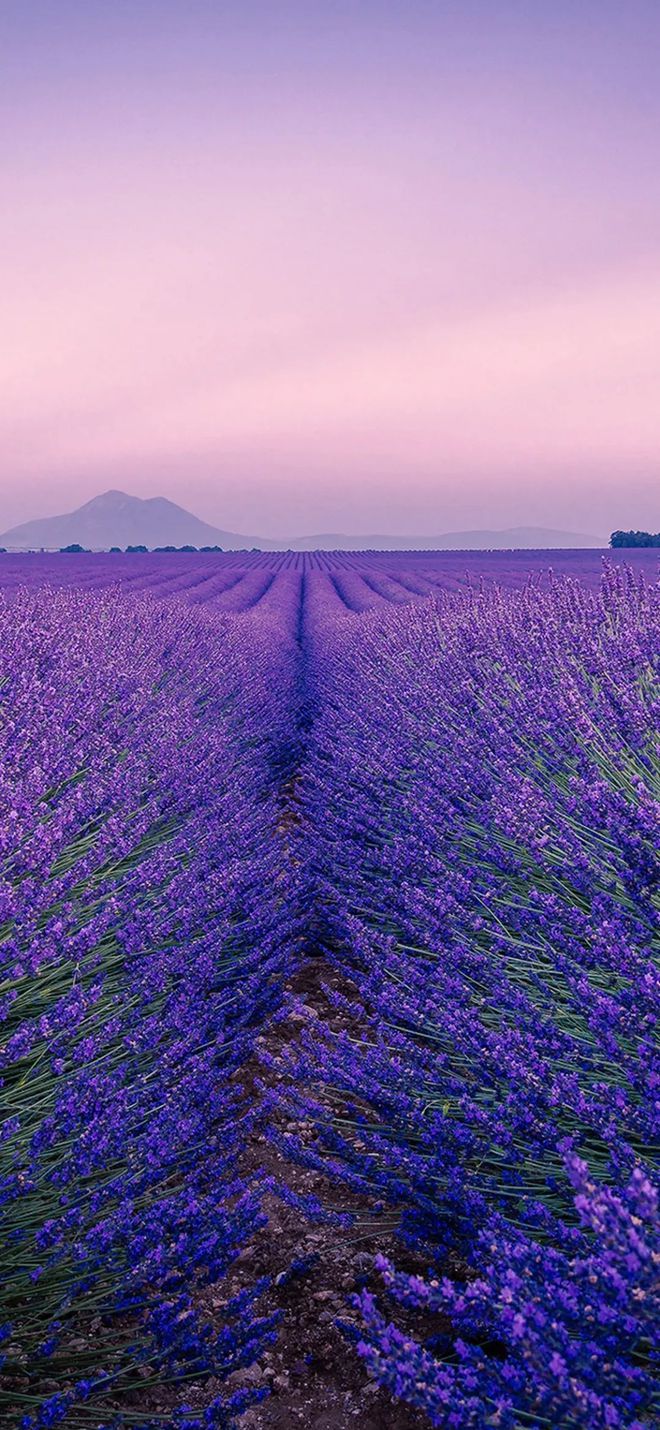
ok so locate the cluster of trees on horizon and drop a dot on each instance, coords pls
(617, 539)
(127, 550)
(635, 538)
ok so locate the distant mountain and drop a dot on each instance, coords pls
(117, 519)
(529, 538)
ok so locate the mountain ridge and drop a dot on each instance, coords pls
(514, 537)
(115, 518)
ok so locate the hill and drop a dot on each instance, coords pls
(117, 519)
(528, 538)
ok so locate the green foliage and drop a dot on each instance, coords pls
(635, 538)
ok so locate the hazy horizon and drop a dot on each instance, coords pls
(115, 493)
(386, 269)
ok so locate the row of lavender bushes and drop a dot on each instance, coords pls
(147, 918)
(482, 784)
(479, 829)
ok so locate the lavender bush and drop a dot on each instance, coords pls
(483, 783)
(140, 953)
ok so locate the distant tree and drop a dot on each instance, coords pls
(132, 549)
(115, 548)
(635, 538)
(210, 548)
(74, 546)
(187, 548)
(3, 550)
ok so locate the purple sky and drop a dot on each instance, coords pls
(379, 266)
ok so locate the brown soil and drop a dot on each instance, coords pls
(314, 1376)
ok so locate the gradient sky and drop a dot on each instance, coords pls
(336, 265)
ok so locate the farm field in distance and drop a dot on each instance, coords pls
(329, 990)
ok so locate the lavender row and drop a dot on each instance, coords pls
(237, 581)
(147, 918)
(483, 784)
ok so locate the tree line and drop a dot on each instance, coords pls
(635, 538)
(75, 546)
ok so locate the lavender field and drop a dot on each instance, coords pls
(329, 996)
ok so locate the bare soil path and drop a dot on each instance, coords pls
(316, 1379)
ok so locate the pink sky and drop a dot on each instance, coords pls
(388, 267)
